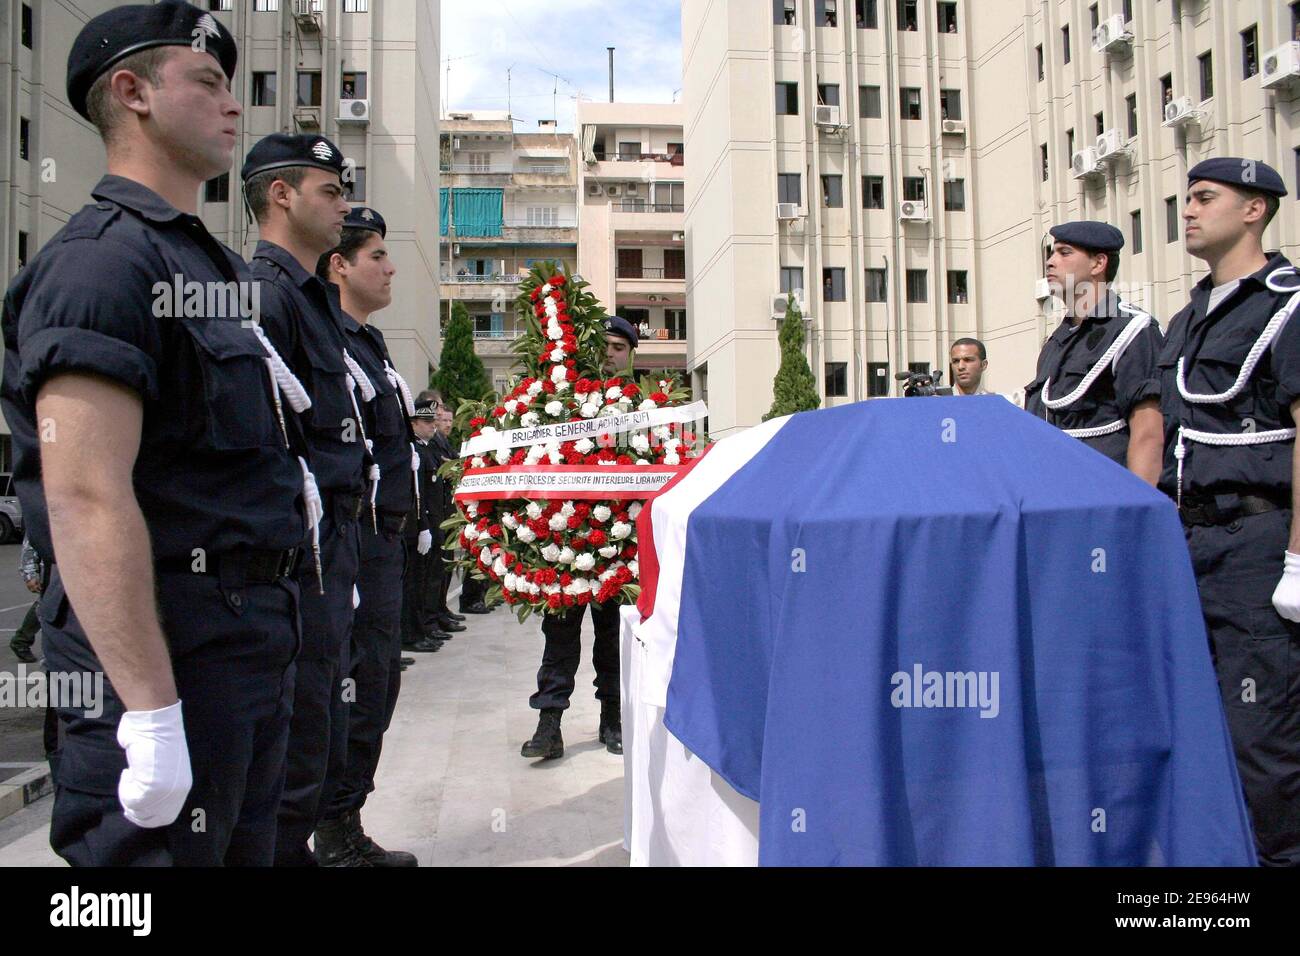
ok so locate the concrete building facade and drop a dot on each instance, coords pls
(632, 221)
(901, 162)
(508, 200)
(362, 72)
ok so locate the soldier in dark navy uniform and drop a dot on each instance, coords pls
(1096, 375)
(294, 187)
(420, 630)
(1230, 373)
(361, 268)
(153, 463)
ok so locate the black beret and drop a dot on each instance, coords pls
(363, 217)
(1089, 234)
(1242, 173)
(111, 36)
(428, 409)
(281, 150)
(617, 325)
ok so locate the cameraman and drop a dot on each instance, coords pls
(968, 360)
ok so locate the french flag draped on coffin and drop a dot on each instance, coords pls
(942, 632)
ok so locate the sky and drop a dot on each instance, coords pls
(555, 51)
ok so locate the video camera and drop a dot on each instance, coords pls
(921, 384)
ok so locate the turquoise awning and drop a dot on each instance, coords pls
(478, 211)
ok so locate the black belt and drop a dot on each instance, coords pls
(346, 507)
(1205, 511)
(246, 565)
(390, 521)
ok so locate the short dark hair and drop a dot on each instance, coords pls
(103, 112)
(1272, 204)
(258, 188)
(984, 355)
(348, 247)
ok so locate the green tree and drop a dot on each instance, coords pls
(795, 389)
(460, 376)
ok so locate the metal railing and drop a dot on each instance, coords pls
(562, 222)
(498, 335)
(546, 170)
(497, 168)
(650, 272)
(640, 205)
(661, 335)
(473, 278)
(676, 159)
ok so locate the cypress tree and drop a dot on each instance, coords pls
(460, 375)
(795, 389)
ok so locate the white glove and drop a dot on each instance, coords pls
(1286, 598)
(157, 778)
(356, 598)
(426, 542)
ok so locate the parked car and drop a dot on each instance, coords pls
(11, 512)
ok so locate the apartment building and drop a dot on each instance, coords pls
(901, 163)
(631, 221)
(508, 200)
(362, 72)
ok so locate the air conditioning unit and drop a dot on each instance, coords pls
(613, 190)
(778, 305)
(827, 116)
(307, 117)
(954, 127)
(307, 13)
(593, 189)
(913, 211)
(1111, 36)
(455, 248)
(1179, 112)
(1084, 163)
(633, 189)
(1109, 146)
(1042, 290)
(1281, 66)
(787, 210)
(354, 111)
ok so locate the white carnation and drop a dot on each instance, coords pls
(584, 446)
(557, 354)
(642, 461)
(567, 509)
(499, 566)
(509, 581)
(558, 522)
(619, 530)
(608, 551)
(472, 533)
(601, 512)
(606, 461)
(634, 568)
(554, 332)
(562, 387)
(534, 388)
(510, 521)
(526, 534)
(511, 406)
(566, 555)
(485, 555)
(589, 409)
(672, 459)
(534, 510)
(471, 508)
(551, 552)
(613, 392)
(559, 373)
(546, 289)
(555, 409)
(528, 420)
(662, 432)
(477, 462)
(634, 509)
(584, 562)
(556, 457)
(503, 456)
(640, 442)
(647, 406)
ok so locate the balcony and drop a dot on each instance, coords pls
(636, 215)
(497, 168)
(494, 344)
(651, 272)
(673, 159)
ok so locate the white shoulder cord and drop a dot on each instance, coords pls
(358, 379)
(415, 479)
(315, 510)
(1262, 344)
(404, 393)
(281, 379)
(1111, 356)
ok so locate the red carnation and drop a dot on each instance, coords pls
(477, 422)
(597, 538)
(553, 600)
(499, 411)
(557, 280)
(566, 579)
(630, 390)
(548, 388)
(578, 543)
(571, 374)
(591, 460)
(614, 383)
(574, 522)
(658, 397)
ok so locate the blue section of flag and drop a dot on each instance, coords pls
(867, 552)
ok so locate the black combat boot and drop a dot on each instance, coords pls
(611, 726)
(333, 848)
(547, 742)
(369, 850)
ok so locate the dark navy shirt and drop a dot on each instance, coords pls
(1071, 352)
(301, 316)
(1214, 348)
(430, 513)
(108, 295)
(387, 424)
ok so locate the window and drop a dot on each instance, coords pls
(910, 102)
(480, 162)
(837, 379)
(914, 188)
(833, 285)
(954, 195)
(676, 149)
(787, 99)
(1069, 144)
(1171, 219)
(675, 323)
(356, 6)
(827, 13)
(783, 12)
(1099, 122)
(24, 137)
(217, 189)
(549, 216)
(22, 249)
(629, 150)
(1249, 52)
(877, 291)
(947, 17)
(1045, 168)
(957, 286)
(1131, 109)
(1126, 7)
(221, 5)
(266, 6)
(832, 192)
(788, 188)
(873, 192)
(309, 88)
(1166, 91)
(869, 102)
(1065, 44)
(877, 379)
(355, 191)
(352, 85)
(907, 16)
(628, 263)
(950, 104)
(1135, 227)
(1206, 63)
(1295, 20)
(264, 89)
(1094, 18)
(828, 94)
(916, 286)
(1038, 52)
(27, 26)
(867, 16)
(792, 280)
